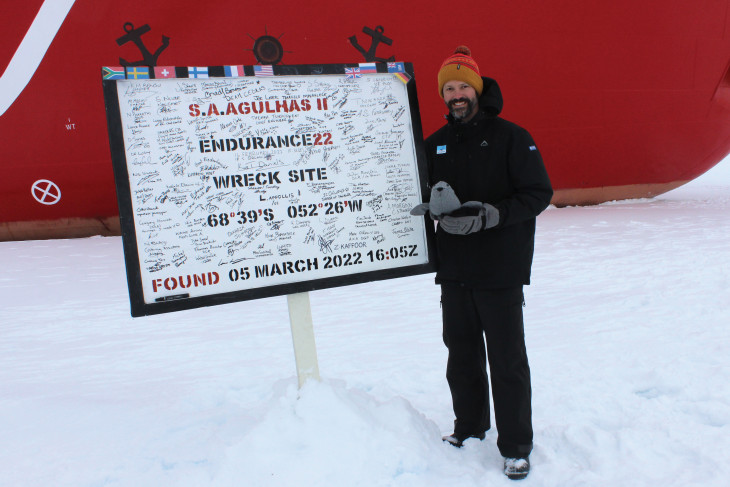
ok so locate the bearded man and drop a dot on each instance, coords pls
(485, 250)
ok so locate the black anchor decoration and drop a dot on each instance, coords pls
(135, 36)
(377, 37)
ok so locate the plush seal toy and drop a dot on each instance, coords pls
(444, 202)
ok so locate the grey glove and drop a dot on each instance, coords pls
(460, 222)
(443, 201)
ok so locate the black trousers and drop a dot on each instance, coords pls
(470, 315)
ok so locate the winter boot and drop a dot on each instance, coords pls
(516, 468)
(458, 439)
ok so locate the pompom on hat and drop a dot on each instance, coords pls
(460, 66)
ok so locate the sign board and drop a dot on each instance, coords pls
(241, 182)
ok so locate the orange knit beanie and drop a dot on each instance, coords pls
(460, 66)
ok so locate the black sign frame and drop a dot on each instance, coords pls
(180, 302)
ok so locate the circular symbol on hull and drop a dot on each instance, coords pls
(46, 192)
(268, 50)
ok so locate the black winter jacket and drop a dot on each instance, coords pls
(489, 160)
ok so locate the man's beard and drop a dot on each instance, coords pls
(461, 113)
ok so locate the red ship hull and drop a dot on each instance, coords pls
(625, 99)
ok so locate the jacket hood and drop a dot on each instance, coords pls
(491, 99)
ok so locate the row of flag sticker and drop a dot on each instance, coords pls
(398, 69)
(162, 72)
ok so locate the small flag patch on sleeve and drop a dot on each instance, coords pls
(441, 149)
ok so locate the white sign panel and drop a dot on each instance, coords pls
(243, 183)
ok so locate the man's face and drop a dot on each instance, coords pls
(461, 100)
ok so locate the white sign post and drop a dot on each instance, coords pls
(302, 332)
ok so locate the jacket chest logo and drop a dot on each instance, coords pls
(441, 149)
(484, 143)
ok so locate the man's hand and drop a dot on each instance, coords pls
(483, 216)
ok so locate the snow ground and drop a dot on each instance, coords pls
(627, 330)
